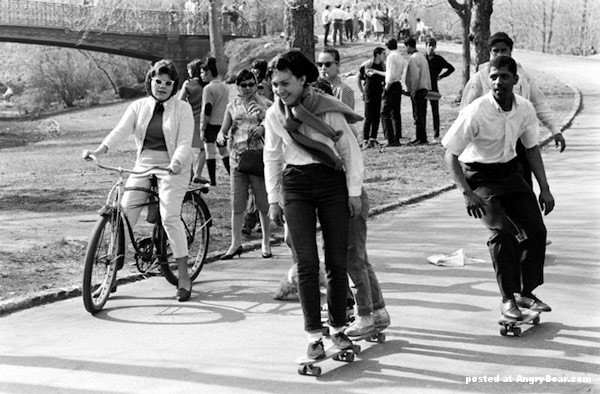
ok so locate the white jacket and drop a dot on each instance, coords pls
(178, 128)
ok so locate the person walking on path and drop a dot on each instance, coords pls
(418, 83)
(214, 98)
(326, 21)
(162, 127)
(314, 167)
(395, 68)
(483, 139)
(501, 44)
(191, 91)
(436, 64)
(371, 86)
(243, 128)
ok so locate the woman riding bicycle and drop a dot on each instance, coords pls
(162, 127)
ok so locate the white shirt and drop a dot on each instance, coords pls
(281, 150)
(337, 14)
(484, 133)
(325, 17)
(417, 73)
(480, 83)
(395, 67)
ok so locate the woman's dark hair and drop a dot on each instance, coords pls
(504, 61)
(212, 69)
(196, 67)
(245, 75)
(163, 66)
(297, 64)
(324, 85)
(261, 65)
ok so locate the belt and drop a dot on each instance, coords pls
(509, 165)
(338, 20)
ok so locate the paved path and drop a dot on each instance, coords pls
(232, 337)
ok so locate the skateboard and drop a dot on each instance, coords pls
(306, 366)
(372, 336)
(512, 325)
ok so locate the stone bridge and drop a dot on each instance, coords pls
(143, 34)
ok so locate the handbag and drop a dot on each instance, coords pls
(251, 161)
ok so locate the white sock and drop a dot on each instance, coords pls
(314, 336)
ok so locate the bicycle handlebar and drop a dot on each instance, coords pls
(125, 170)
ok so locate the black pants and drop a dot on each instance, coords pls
(349, 26)
(326, 27)
(419, 107)
(435, 113)
(390, 113)
(372, 116)
(510, 198)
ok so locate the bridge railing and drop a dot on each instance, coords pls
(100, 19)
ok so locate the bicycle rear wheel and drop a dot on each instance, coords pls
(104, 256)
(196, 221)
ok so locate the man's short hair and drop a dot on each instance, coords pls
(410, 42)
(335, 54)
(500, 37)
(378, 51)
(392, 44)
(504, 61)
(430, 41)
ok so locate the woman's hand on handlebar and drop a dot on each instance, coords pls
(98, 152)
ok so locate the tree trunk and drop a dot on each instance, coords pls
(583, 35)
(544, 28)
(216, 36)
(299, 26)
(463, 10)
(481, 29)
(551, 25)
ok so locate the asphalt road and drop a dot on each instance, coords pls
(233, 338)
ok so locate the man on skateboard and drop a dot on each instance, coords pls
(481, 155)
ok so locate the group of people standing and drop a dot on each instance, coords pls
(387, 76)
(304, 121)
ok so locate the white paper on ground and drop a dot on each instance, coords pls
(456, 259)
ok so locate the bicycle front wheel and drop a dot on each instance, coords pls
(196, 223)
(104, 256)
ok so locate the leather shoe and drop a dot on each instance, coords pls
(238, 251)
(184, 294)
(510, 310)
(267, 255)
(532, 302)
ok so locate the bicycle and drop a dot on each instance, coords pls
(105, 253)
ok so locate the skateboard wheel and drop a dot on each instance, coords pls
(302, 369)
(536, 320)
(517, 331)
(316, 371)
(381, 338)
(503, 331)
(337, 357)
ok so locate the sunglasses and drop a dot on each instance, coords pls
(160, 82)
(326, 64)
(247, 85)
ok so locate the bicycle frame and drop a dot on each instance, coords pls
(113, 205)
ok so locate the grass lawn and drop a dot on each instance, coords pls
(45, 174)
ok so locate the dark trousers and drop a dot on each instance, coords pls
(510, 198)
(349, 26)
(326, 27)
(419, 107)
(391, 119)
(435, 112)
(312, 191)
(338, 27)
(372, 115)
(522, 156)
